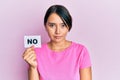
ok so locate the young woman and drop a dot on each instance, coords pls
(59, 59)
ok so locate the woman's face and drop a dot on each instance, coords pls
(56, 28)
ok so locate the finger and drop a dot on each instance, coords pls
(32, 47)
(28, 54)
(28, 50)
(31, 59)
(28, 59)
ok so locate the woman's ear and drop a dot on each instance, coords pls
(68, 28)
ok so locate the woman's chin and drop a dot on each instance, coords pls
(57, 40)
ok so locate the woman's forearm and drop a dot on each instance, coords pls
(33, 74)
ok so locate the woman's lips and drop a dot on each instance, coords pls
(58, 37)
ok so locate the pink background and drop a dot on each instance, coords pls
(96, 24)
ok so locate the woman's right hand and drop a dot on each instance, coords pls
(30, 57)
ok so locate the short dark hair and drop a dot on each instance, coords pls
(62, 12)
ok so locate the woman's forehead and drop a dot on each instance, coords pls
(54, 18)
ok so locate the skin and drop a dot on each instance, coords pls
(57, 32)
(30, 57)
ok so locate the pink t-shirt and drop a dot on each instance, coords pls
(64, 65)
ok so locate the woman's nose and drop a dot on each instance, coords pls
(57, 30)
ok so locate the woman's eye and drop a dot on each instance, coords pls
(63, 25)
(51, 25)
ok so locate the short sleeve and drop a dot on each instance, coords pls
(84, 59)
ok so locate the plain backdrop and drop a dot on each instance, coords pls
(96, 24)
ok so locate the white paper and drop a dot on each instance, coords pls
(32, 40)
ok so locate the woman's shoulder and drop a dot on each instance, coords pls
(80, 48)
(76, 44)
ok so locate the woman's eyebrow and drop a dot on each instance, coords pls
(51, 23)
(55, 23)
(62, 23)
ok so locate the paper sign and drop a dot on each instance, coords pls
(32, 40)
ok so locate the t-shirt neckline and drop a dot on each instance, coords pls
(60, 52)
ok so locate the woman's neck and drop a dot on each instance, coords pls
(59, 46)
